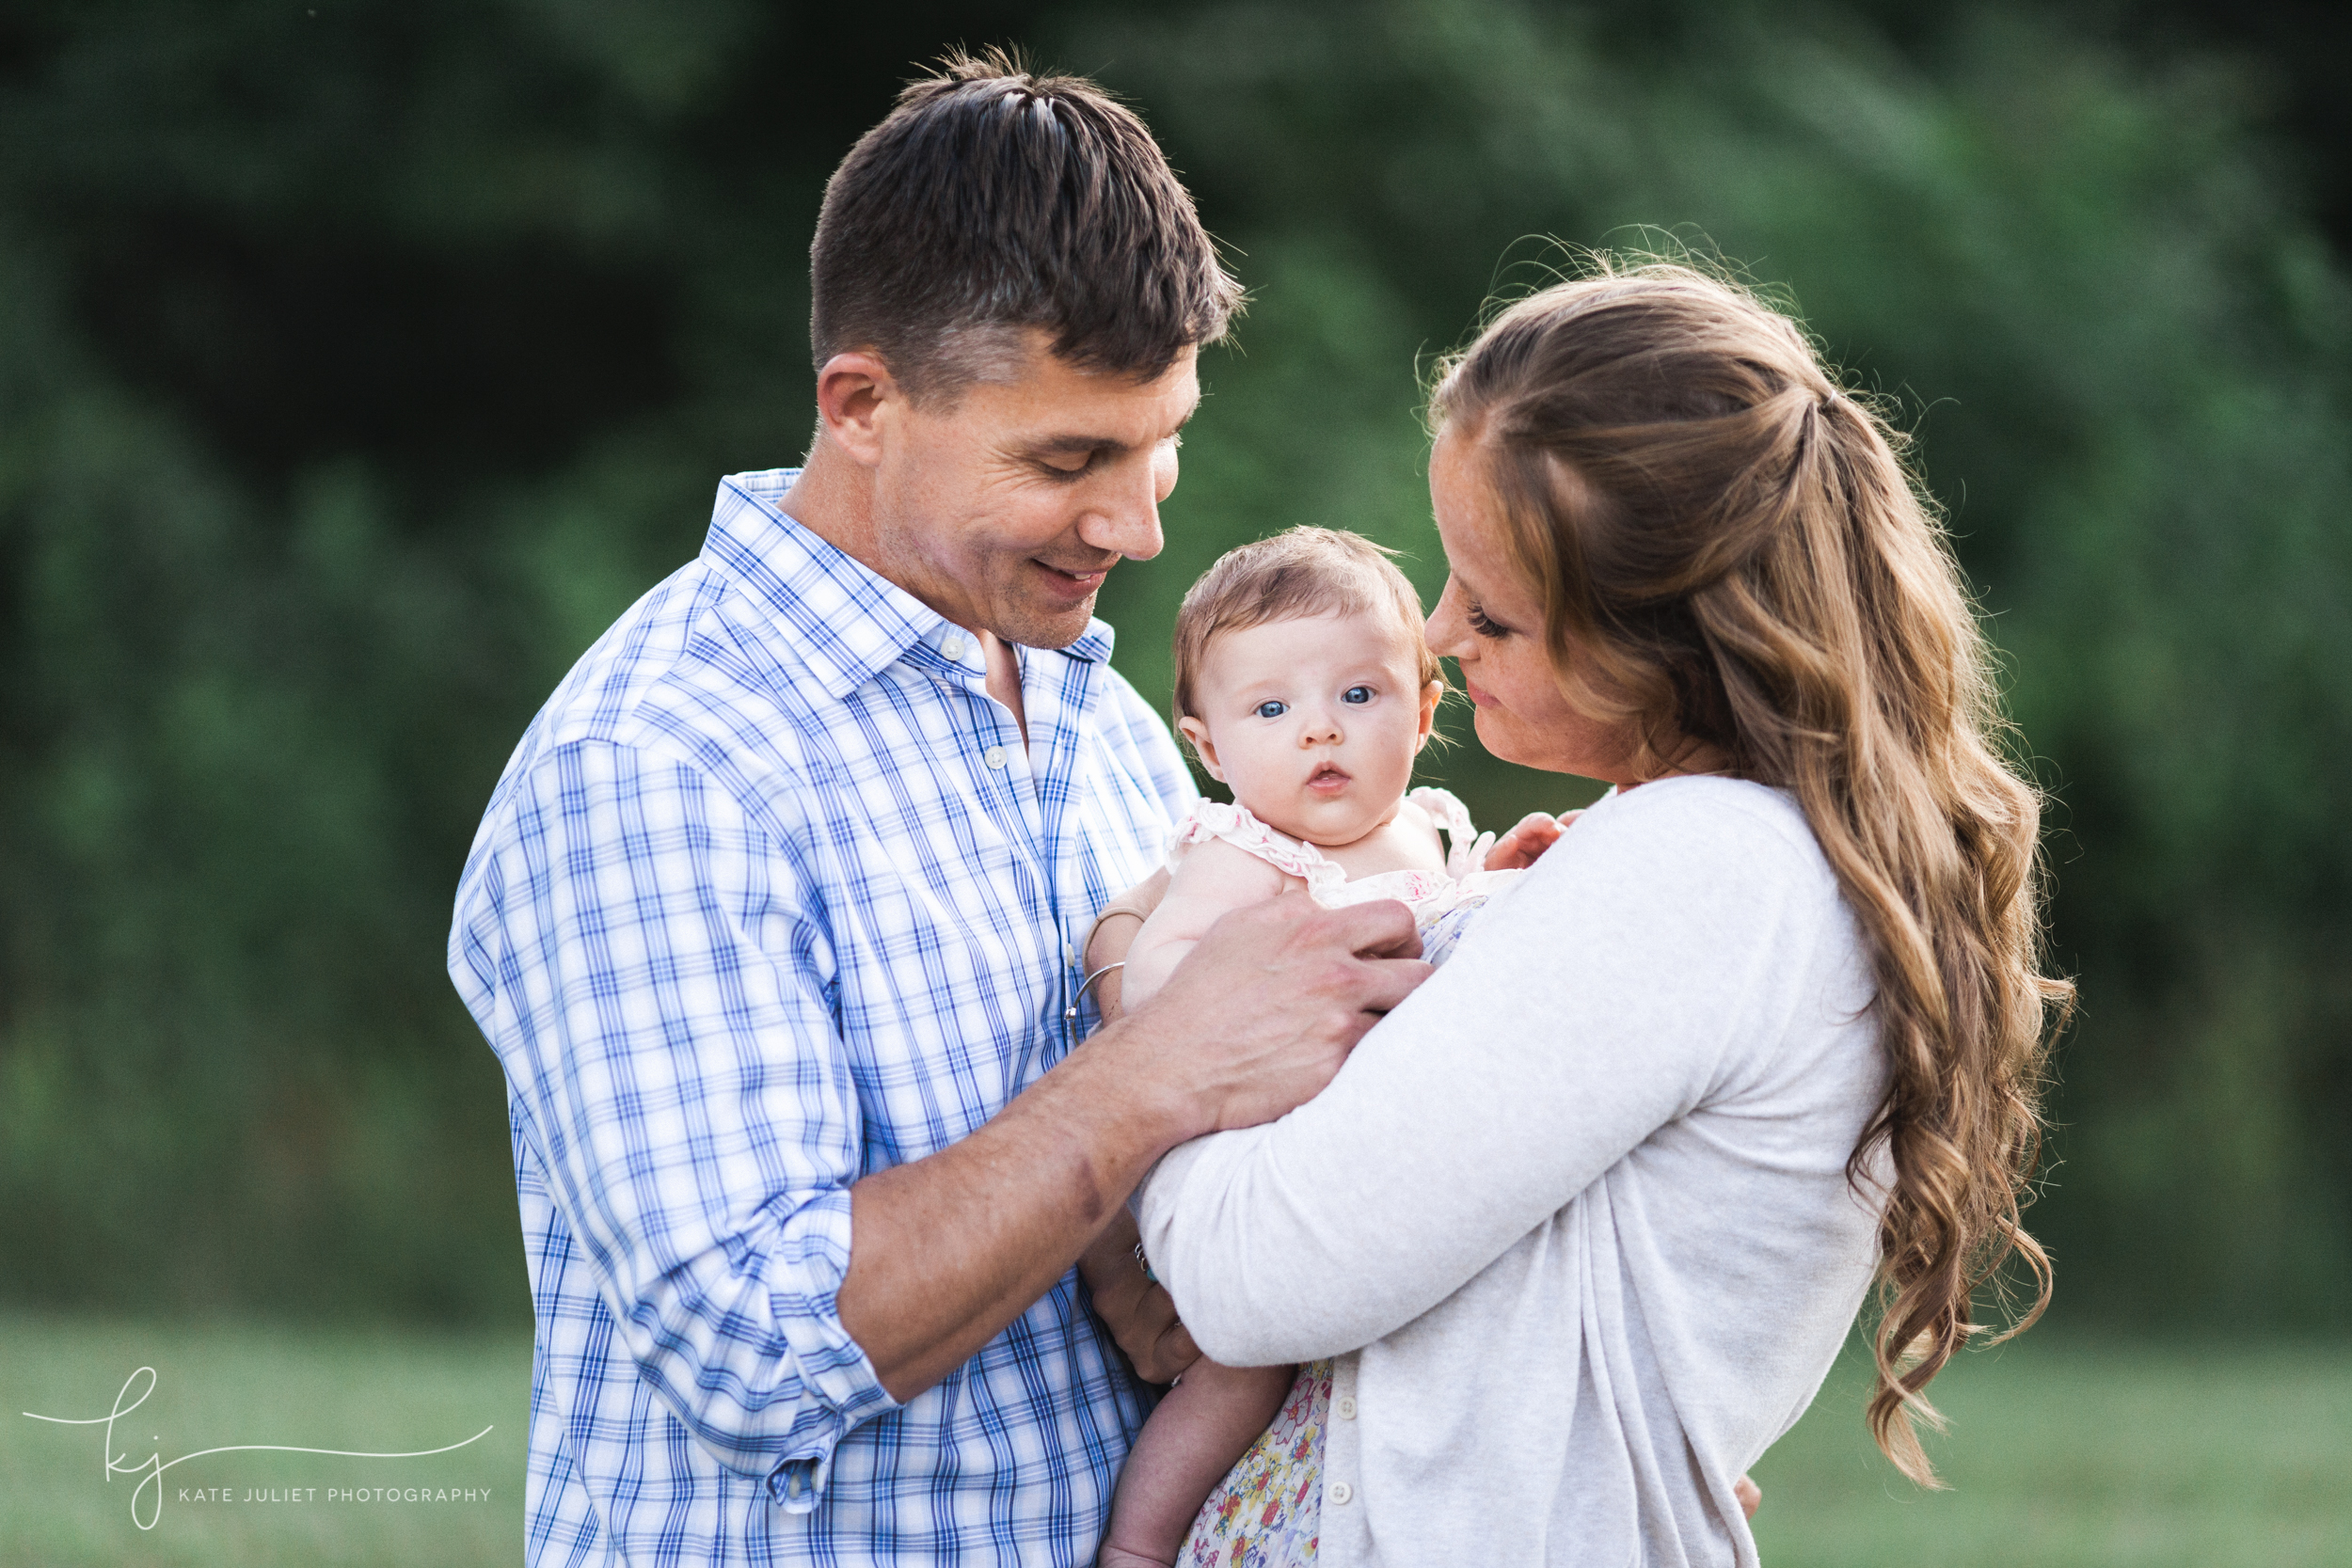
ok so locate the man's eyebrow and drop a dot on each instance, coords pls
(1073, 446)
(1076, 445)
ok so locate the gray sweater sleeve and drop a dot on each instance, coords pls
(1638, 971)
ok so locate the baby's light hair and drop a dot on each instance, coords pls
(1297, 573)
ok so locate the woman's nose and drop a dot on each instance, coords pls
(1447, 630)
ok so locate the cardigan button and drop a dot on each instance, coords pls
(1347, 1408)
(1341, 1493)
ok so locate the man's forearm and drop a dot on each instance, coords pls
(947, 1250)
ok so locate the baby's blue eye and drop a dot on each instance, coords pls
(1271, 709)
(1357, 695)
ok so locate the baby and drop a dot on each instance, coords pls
(1304, 685)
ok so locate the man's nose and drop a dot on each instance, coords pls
(1128, 519)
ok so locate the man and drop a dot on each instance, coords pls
(773, 919)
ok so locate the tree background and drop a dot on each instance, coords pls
(360, 360)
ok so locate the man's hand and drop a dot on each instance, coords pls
(1139, 1313)
(1262, 1013)
(951, 1248)
(1525, 844)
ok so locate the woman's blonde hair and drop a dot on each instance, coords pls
(1730, 553)
(1300, 572)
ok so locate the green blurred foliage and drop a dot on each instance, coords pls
(359, 362)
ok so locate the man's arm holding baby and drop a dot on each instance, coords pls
(951, 1248)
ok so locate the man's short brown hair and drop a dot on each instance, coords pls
(992, 200)
(1297, 573)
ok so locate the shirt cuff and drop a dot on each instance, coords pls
(813, 1256)
(796, 1484)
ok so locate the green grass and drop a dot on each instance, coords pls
(2062, 1452)
(374, 1391)
(2067, 1453)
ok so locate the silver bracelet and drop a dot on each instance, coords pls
(1071, 1012)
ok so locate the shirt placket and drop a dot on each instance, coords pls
(995, 743)
(1059, 702)
(1009, 787)
(1012, 756)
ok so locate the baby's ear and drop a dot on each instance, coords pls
(1430, 694)
(1194, 731)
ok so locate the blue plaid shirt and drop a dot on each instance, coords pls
(769, 897)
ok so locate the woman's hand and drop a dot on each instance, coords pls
(1525, 844)
(1141, 1318)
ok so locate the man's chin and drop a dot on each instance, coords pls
(1036, 626)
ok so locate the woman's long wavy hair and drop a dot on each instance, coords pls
(1731, 554)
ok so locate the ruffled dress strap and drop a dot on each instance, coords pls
(1236, 826)
(1466, 847)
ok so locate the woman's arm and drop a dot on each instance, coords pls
(1599, 1003)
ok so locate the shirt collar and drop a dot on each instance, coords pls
(847, 621)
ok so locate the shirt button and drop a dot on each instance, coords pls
(1347, 1410)
(994, 756)
(1341, 1493)
(952, 648)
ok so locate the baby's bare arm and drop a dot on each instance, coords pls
(1199, 1431)
(1212, 880)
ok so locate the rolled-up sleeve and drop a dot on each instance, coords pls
(646, 961)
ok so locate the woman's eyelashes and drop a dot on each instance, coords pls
(1479, 623)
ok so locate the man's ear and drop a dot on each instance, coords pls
(856, 396)
(1202, 746)
(1430, 695)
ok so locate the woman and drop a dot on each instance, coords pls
(1587, 1218)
